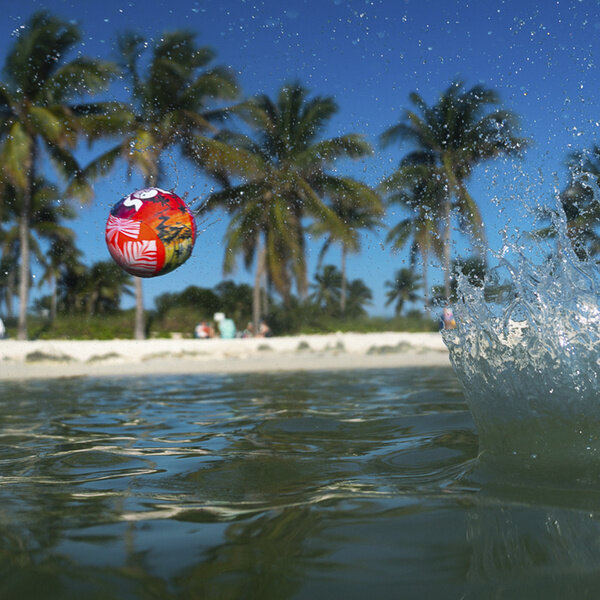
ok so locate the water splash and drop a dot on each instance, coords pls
(530, 363)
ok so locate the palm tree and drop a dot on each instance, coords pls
(39, 120)
(403, 288)
(359, 296)
(283, 177)
(72, 285)
(455, 135)
(9, 250)
(62, 254)
(45, 222)
(168, 108)
(327, 289)
(361, 212)
(9, 261)
(420, 190)
(107, 282)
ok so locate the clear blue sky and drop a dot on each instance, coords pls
(540, 56)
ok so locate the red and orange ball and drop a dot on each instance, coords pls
(150, 232)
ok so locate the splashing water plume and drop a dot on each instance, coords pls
(530, 363)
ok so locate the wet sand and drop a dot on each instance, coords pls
(96, 358)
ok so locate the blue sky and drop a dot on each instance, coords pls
(369, 54)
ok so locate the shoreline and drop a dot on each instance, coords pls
(50, 359)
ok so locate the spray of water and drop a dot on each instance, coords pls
(530, 362)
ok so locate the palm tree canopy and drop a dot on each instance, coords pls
(460, 125)
(361, 210)
(327, 288)
(420, 190)
(359, 296)
(172, 98)
(460, 131)
(37, 97)
(403, 288)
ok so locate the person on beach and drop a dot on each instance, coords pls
(2, 329)
(203, 331)
(249, 331)
(226, 326)
(264, 330)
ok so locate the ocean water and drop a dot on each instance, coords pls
(296, 485)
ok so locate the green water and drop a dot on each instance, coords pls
(309, 485)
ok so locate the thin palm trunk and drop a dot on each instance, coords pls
(260, 268)
(452, 187)
(399, 306)
(10, 293)
(139, 330)
(266, 290)
(343, 287)
(446, 248)
(424, 258)
(53, 298)
(24, 265)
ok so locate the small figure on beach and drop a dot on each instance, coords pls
(249, 331)
(264, 330)
(2, 329)
(204, 331)
(226, 326)
(447, 321)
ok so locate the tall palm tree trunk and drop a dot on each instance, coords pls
(344, 284)
(10, 293)
(260, 269)
(266, 291)
(53, 298)
(24, 265)
(452, 187)
(426, 298)
(446, 248)
(139, 329)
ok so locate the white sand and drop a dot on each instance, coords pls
(73, 358)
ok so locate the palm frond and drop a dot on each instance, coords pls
(78, 78)
(326, 152)
(16, 156)
(38, 51)
(219, 83)
(218, 158)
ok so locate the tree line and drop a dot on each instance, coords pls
(278, 175)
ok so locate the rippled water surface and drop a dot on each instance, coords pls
(309, 485)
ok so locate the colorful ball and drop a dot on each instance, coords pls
(150, 232)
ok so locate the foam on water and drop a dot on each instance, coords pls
(530, 364)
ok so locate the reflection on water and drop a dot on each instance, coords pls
(274, 486)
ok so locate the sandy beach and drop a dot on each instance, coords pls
(95, 358)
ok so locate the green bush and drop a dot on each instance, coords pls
(83, 327)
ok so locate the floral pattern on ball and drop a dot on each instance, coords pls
(150, 232)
